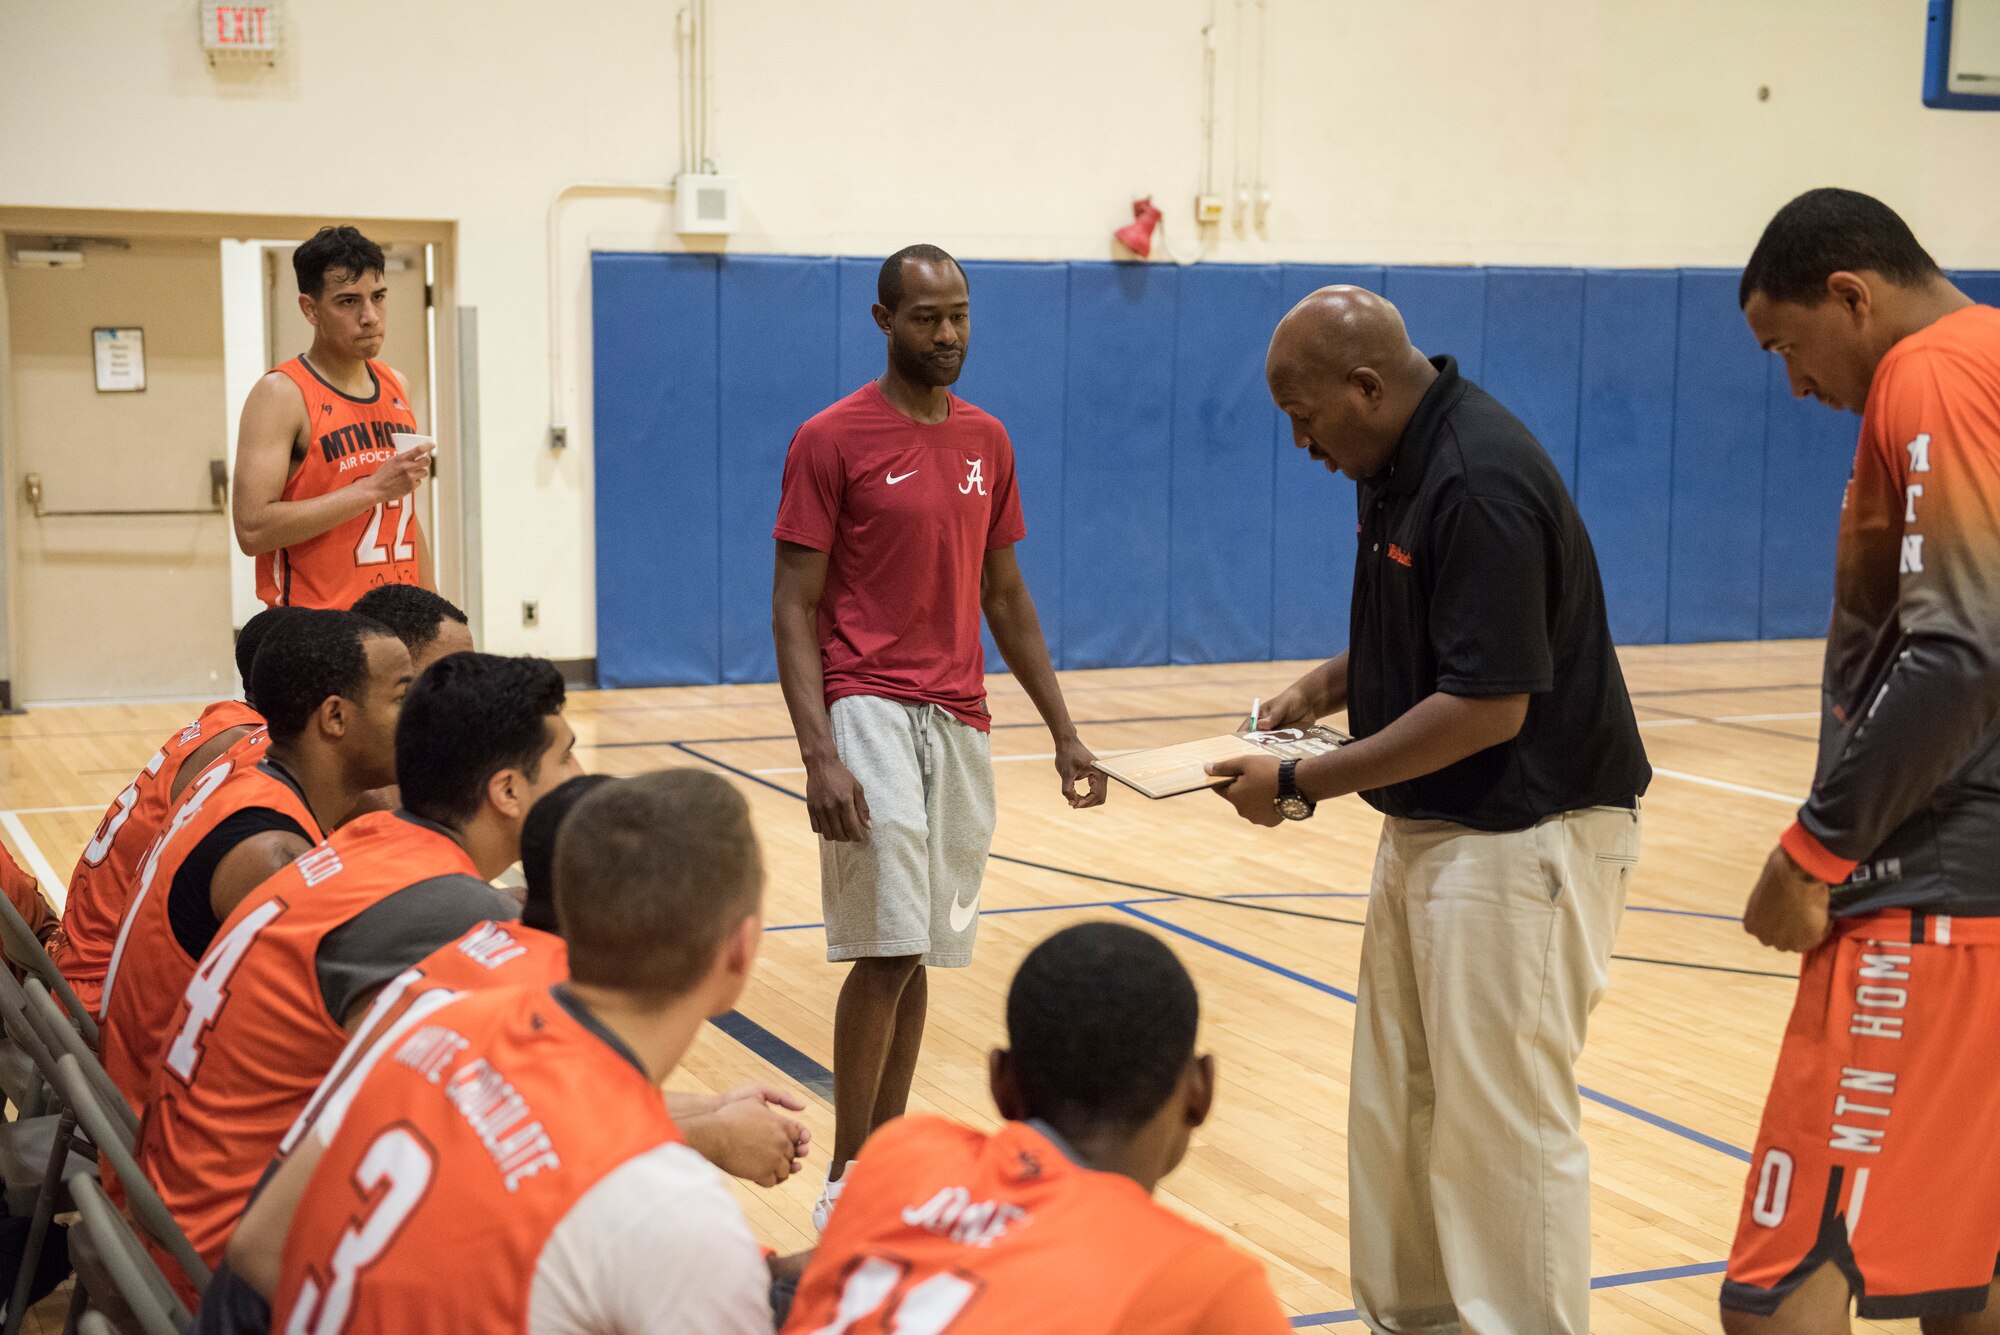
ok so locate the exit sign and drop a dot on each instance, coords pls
(239, 27)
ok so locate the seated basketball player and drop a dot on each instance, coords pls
(298, 964)
(330, 685)
(739, 1132)
(1049, 1223)
(108, 871)
(430, 627)
(520, 1132)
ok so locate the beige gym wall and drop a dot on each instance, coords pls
(1536, 131)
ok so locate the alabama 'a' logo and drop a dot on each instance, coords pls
(975, 478)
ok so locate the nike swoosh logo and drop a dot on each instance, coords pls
(893, 479)
(963, 914)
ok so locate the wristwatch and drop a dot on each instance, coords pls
(1291, 803)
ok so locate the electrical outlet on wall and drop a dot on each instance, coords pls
(531, 612)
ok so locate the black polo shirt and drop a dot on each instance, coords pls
(1476, 578)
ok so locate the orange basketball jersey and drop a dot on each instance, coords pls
(456, 1162)
(492, 954)
(149, 968)
(1004, 1233)
(260, 1023)
(108, 872)
(350, 440)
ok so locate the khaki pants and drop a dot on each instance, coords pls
(1469, 1181)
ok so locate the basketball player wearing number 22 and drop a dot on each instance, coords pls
(323, 498)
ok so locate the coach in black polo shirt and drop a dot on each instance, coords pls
(1494, 732)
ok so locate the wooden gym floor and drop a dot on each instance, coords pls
(1680, 1053)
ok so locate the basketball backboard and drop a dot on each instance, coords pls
(1962, 55)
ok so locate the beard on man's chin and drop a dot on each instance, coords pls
(922, 370)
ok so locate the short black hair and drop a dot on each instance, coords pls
(335, 248)
(538, 848)
(307, 658)
(1824, 232)
(466, 719)
(889, 282)
(1101, 1022)
(414, 613)
(250, 639)
(652, 875)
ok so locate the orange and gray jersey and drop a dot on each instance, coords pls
(1905, 805)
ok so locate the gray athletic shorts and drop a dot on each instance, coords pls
(912, 887)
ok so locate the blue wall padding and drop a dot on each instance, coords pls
(1170, 518)
(1624, 442)
(1534, 353)
(1313, 511)
(1714, 567)
(1018, 371)
(658, 594)
(1445, 310)
(1117, 464)
(776, 347)
(1808, 453)
(1219, 572)
(864, 349)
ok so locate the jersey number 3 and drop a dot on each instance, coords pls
(879, 1285)
(372, 550)
(397, 1172)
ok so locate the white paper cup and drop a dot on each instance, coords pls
(408, 440)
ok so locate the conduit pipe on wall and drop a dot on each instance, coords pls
(558, 396)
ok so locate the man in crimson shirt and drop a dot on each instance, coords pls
(896, 529)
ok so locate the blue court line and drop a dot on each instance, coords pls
(776, 1051)
(1654, 1119)
(1598, 1282)
(1631, 1110)
(1243, 955)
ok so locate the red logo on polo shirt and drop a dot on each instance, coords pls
(1399, 556)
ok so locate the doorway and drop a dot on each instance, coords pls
(137, 597)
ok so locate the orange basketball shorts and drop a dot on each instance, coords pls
(1880, 1147)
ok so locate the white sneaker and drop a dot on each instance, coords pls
(829, 1195)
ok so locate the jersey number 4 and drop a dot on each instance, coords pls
(396, 1172)
(209, 988)
(372, 550)
(881, 1287)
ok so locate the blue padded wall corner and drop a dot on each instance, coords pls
(1118, 455)
(1625, 433)
(777, 342)
(1445, 310)
(1313, 511)
(1017, 371)
(1533, 354)
(1220, 549)
(1714, 562)
(655, 468)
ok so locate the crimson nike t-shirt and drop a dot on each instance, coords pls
(906, 512)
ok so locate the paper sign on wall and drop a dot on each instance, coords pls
(121, 360)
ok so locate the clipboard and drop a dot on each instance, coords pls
(1169, 771)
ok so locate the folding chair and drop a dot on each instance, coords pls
(95, 1323)
(47, 1146)
(58, 1036)
(113, 1272)
(22, 948)
(142, 1202)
